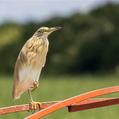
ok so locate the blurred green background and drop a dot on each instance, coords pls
(88, 43)
(83, 56)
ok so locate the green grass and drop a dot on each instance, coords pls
(59, 88)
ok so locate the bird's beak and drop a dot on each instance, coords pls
(55, 28)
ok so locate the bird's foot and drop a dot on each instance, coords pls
(35, 105)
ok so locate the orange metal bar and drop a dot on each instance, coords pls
(87, 104)
(24, 107)
(73, 100)
(16, 108)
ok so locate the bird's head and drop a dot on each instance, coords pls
(45, 31)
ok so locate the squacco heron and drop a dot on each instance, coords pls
(30, 62)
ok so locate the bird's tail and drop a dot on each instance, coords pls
(16, 97)
(15, 94)
(17, 91)
(20, 87)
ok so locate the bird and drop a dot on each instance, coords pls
(30, 62)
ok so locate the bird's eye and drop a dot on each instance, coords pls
(40, 31)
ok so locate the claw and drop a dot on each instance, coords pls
(35, 105)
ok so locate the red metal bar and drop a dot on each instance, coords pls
(72, 100)
(93, 103)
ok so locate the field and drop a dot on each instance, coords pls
(58, 88)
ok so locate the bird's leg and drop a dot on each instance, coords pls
(30, 96)
(33, 103)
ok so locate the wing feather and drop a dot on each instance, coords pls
(29, 65)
